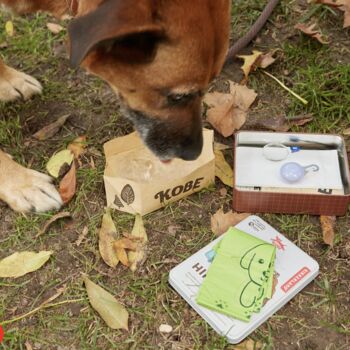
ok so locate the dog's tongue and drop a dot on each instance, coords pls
(166, 161)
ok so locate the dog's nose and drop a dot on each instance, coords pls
(191, 148)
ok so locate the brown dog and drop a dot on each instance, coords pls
(158, 55)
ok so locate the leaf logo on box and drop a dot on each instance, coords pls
(128, 194)
(118, 202)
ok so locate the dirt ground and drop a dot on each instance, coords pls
(318, 318)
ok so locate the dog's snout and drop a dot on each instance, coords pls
(191, 148)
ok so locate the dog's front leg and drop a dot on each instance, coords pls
(14, 84)
(25, 189)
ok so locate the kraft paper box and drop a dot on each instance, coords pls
(136, 181)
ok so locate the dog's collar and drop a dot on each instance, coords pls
(73, 7)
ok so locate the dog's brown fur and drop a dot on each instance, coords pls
(158, 55)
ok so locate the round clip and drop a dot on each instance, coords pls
(276, 151)
(294, 172)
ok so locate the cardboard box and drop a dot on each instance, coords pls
(138, 182)
(292, 200)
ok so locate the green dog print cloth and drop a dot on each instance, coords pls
(240, 277)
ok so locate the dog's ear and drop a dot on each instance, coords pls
(124, 21)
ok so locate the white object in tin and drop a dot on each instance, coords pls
(296, 269)
(276, 151)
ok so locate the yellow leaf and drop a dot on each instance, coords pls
(249, 62)
(9, 28)
(125, 243)
(222, 169)
(107, 235)
(248, 344)
(111, 311)
(135, 258)
(122, 256)
(58, 160)
(19, 264)
(78, 146)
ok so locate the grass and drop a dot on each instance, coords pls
(317, 318)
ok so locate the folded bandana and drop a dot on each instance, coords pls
(240, 277)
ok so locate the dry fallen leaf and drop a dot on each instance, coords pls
(249, 62)
(327, 224)
(221, 147)
(56, 217)
(68, 185)
(107, 235)
(222, 169)
(58, 161)
(300, 120)
(343, 5)
(111, 311)
(310, 31)
(28, 345)
(19, 264)
(266, 59)
(122, 256)
(9, 29)
(125, 243)
(346, 132)
(54, 28)
(221, 222)
(228, 112)
(78, 146)
(256, 60)
(135, 258)
(51, 129)
(248, 344)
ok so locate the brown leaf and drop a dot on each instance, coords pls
(122, 256)
(309, 30)
(68, 185)
(56, 217)
(77, 147)
(28, 345)
(266, 59)
(125, 243)
(54, 28)
(228, 112)
(51, 129)
(300, 120)
(221, 222)
(107, 236)
(346, 132)
(327, 224)
(343, 5)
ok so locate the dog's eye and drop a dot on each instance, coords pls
(180, 99)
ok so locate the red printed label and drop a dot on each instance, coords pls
(295, 279)
(1, 334)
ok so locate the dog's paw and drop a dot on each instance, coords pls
(15, 84)
(30, 191)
